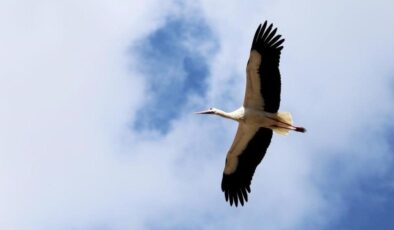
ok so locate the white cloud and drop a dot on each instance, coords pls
(67, 96)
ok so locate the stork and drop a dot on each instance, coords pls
(258, 118)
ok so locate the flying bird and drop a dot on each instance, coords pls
(257, 118)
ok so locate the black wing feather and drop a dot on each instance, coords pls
(237, 184)
(276, 38)
(269, 48)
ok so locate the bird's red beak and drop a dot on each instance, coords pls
(205, 112)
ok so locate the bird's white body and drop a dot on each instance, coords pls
(258, 117)
(280, 122)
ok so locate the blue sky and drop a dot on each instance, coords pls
(173, 69)
(98, 131)
(371, 205)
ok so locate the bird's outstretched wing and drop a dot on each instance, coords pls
(246, 152)
(263, 76)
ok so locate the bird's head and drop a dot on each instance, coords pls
(208, 111)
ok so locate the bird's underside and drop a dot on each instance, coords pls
(262, 94)
(258, 117)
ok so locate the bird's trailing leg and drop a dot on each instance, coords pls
(283, 123)
(284, 128)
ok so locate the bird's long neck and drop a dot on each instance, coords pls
(225, 114)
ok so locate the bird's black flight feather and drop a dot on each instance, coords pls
(269, 47)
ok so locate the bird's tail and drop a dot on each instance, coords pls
(286, 120)
(285, 117)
